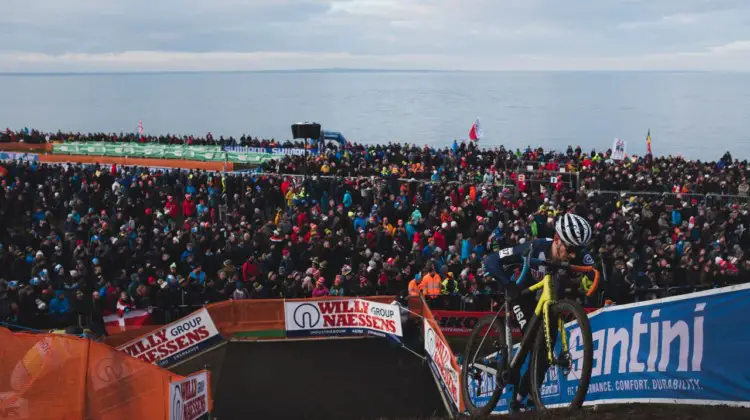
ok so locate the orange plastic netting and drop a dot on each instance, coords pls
(55, 376)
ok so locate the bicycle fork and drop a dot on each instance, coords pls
(548, 337)
(546, 300)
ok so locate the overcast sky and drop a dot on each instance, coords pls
(133, 35)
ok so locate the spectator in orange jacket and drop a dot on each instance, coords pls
(431, 282)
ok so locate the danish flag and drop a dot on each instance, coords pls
(135, 318)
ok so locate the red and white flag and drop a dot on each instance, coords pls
(140, 128)
(476, 132)
(132, 319)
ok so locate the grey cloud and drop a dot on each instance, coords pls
(491, 32)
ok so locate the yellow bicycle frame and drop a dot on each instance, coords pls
(549, 297)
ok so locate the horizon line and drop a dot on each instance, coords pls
(347, 70)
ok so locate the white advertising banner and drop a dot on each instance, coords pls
(189, 399)
(176, 341)
(439, 353)
(342, 317)
(618, 149)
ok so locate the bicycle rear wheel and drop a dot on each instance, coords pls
(486, 354)
(580, 344)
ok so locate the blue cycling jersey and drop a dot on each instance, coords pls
(501, 265)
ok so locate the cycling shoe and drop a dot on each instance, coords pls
(524, 406)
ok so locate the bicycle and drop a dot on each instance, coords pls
(540, 341)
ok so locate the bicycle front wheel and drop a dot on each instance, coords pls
(481, 370)
(573, 360)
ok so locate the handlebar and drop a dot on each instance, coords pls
(588, 269)
(528, 261)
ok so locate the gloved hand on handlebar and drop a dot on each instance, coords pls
(586, 283)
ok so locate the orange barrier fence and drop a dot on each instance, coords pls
(259, 318)
(118, 338)
(50, 376)
(159, 163)
(263, 318)
(56, 376)
(26, 147)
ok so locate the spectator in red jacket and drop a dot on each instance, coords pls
(188, 206)
(171, 207)
(439, 237)
(250, 269)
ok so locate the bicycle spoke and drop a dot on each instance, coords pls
(484, 368)
(572, 357)
(564, 358)
(484, 356)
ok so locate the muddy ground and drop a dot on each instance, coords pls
(643, 412)
(633, 412)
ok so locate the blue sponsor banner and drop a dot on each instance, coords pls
(26, 157)
(335, 136)
(270, 150)
(688, 349)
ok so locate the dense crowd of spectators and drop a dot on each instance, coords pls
(460, 162)
(91, 240)
(468, 164)
(38, 137)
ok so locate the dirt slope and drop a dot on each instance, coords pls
(324, 379)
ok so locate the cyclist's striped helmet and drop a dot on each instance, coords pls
(573, 230)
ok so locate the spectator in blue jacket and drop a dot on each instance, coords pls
(59, 304)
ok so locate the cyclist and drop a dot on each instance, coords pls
(572, 235)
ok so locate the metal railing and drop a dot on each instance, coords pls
(650, 293)
(671, 198)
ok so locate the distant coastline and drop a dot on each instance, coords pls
(275, 71)
(347, 70)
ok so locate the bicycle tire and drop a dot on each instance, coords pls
(540, 352)
(476, 334)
